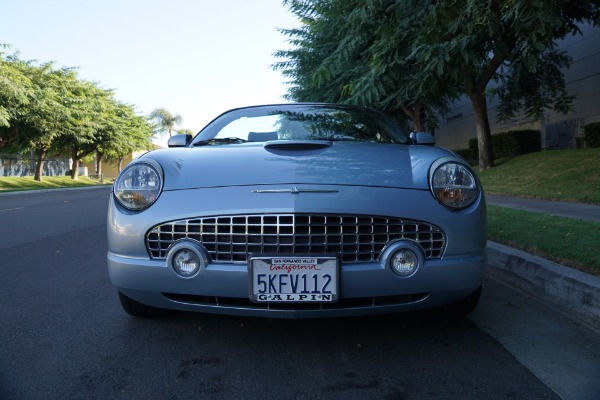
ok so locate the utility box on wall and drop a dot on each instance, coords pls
(564, 134)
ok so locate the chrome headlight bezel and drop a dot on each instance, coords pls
(453, 184)
(139, 185)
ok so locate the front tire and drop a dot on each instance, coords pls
(137, 309)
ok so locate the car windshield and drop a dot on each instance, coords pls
(300, 122)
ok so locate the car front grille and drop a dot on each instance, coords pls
(357, 238)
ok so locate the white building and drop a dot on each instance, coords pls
(457, 127)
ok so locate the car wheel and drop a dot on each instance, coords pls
(466, 305)
(138, 309)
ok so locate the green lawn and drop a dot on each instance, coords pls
(568, 175)
(11, 184)
(565, 175)
(564, 240)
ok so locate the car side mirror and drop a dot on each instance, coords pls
(180, 140)
(422, 138)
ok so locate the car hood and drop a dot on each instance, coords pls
(298, 163)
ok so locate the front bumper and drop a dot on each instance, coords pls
(365, 289)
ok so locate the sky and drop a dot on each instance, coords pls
(196, 58)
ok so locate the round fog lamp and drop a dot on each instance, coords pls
(405, 262)
(186, 262)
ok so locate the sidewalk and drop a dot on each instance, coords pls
(574, 292)
(587, 212)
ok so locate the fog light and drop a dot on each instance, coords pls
(186, 263)
(187, 258)
(404, 262)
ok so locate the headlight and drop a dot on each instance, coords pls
(138, 186)
(454, 185)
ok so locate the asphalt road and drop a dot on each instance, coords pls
(63, 334)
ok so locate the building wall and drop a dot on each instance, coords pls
(557, 130)
(13, 165)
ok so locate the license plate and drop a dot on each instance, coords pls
(293, 279)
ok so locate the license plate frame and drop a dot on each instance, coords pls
(293, 279)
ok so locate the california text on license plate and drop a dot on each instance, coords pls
(294, 279)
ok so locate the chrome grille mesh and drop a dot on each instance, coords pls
(357, 238)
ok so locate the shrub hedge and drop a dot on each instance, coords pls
(507, 144)
(592, 134)
(468, 155)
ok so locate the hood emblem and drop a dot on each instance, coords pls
(294, 190)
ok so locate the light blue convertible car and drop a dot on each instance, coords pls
(297, 211)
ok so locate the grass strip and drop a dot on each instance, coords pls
(566, 241)
(566, 175)
(11, 184)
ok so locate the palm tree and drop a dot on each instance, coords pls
(165, 121)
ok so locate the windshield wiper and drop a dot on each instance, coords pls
(228, 140)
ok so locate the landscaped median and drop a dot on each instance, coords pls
(562, 175)
(567, 241)
(11, 184)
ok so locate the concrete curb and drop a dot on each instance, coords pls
(571, 291)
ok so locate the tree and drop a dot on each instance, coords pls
(48, 115)
(43, 109)
(107, 132)
(475, 42)
(131, 133)
(355, 51)
(36, 116)
(185, 132)
(15, 89)
(90, 119)
(165, 121)
(416, 56)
